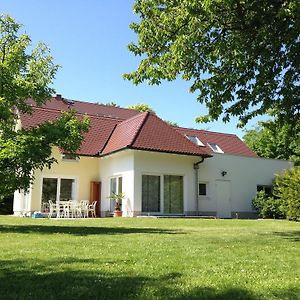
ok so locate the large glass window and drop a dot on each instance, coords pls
(49, 190)
(116, 187)
(57, 189)
(173, 194)
(150, 193)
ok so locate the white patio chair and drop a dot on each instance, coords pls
(92, 209)
(69, 209)
(53, 209)
(83, 208)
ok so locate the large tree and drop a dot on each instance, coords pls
(25, 74)
(273, 141)
(242, 57)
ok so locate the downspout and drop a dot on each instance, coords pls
(196, 168)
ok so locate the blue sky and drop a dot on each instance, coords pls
(89, 39)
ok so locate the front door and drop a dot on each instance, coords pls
(223, 189)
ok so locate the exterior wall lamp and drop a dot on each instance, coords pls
(223, 173)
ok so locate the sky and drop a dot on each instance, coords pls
(89, 39)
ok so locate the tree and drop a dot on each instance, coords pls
(273, 141)
(287, 191)
(243, 57)
(141, 107)
(25, 74)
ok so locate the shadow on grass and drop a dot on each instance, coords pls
(82, 230)
(20, 280)
(293, 236)
(68, 279)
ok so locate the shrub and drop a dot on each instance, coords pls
(287, 190)
(267, 207)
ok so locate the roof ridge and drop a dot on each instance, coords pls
(78, 113)
(140, 128)
(132, 118)
(204, 130)
(99, 104)
(176, 132)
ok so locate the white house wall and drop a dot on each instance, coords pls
(85, 170)
(115, 165)
(243, 175)
(152, 163)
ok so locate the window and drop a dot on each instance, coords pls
(162, 193)
(116, 187)
(202, 188)
(266, 188)
(195, 140)
(173, 194)
(58, 189)
(150, 193)
(215, 148)
(68, 156)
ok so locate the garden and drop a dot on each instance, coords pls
(149, 258)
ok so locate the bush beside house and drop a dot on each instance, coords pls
(285, 201)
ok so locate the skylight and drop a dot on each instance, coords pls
(195, 140)
(215, 148)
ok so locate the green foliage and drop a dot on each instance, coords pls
(270, 140)
(242, 57)
(25, 74)
(287, 190)
(267, 207)
(111, 103)
(141, 107)
(171, 123)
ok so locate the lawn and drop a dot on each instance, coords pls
(146, 258)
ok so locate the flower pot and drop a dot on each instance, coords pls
(118, 213)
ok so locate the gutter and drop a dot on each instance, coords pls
(196, 168)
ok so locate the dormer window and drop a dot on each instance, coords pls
(215, 148)
(195, 140)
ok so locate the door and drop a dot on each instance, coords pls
(173, 194)
(223, 192)
(150, 193)
(95, 192)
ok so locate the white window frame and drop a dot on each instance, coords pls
(65, 158)
(162, 199)
(198, 141)
(207, 190)
(111, 205)
(59, 178)
(217, 150)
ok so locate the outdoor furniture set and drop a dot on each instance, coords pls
(72, 209)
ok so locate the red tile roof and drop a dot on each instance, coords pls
(91, 109)
(229, 143)
(148, 132)
(94, 140)
(113, 129)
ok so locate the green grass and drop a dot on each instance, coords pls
(144, 258)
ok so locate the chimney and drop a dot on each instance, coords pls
(58, 97)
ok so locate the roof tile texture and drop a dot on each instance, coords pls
(113, 129)
(229, 143)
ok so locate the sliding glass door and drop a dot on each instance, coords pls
(150, 193)
(173, 194)
(168, 199)
(58, 189)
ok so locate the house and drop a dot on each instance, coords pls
(162, 170)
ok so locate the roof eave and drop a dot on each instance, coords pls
(156, 150)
